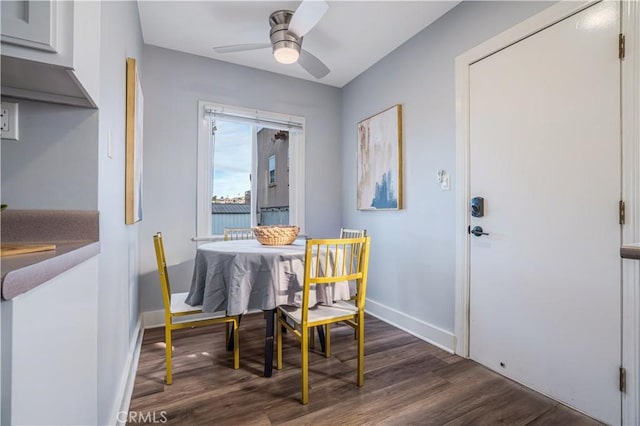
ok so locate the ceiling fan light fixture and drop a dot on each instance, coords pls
(286, 47)
(286, 55)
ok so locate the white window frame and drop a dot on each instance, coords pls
(296, 166)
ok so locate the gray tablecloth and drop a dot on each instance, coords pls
(236, 276)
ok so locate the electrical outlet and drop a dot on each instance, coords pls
(9, 120)
(4, 119)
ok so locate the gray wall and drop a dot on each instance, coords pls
(118, 280)
(413, 250)
(173, 84)
(53, 165)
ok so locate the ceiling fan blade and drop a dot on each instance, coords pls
(312, 65)
(307, 16)
(241, 47)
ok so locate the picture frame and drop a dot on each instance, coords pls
(379, 169)
(133, 142)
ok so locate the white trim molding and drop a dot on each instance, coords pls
(630, 89)
(630, 105)
(203, 185)
(152, 319)
(422, 330)
(414, 326)
(297, 178)
(125, 390)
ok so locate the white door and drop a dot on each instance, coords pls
(545, 154)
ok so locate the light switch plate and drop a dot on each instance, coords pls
(445, 185)
(109, 147)
(9, 121)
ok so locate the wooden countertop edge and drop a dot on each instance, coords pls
(27, 278)
(630, 251)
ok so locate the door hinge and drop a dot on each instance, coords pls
(623, 379)
(621, 49)
(621, 212)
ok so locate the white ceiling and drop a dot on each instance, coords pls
(352, 35)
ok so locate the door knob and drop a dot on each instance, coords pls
(478, 231)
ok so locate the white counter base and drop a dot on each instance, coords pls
(49, 345)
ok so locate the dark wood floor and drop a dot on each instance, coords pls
(407, 382)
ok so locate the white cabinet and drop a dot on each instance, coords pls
(30, 24)
(49, 369)
(51, 51)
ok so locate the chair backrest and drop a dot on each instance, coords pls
(328, 261)
(238, 234)
(352, 233)
(162, 271)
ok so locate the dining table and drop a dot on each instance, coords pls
(240, 276)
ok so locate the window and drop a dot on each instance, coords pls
(272, 170)
(235, 144)
(231, 147)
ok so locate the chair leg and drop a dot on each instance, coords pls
(304, 364)
(321, 338)
(312, 340)
(229, 337)
(236, 343)
(168, 348)
(360, 328)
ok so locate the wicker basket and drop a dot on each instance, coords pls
(277, 235)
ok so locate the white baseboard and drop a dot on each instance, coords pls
(422, 330)
(123, 397)
(152, 319)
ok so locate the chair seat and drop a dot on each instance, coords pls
(179, 306)
(339, 309)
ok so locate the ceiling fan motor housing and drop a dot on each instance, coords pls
(279, 34)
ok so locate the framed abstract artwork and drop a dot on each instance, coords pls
(379, 168)
(133, 142)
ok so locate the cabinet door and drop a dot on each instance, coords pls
(30, 23)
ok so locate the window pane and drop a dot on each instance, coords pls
(272, 169)
(261, 200)
(231, 185)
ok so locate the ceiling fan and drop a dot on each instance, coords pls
(287, 30)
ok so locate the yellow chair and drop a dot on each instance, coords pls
(327, 261)
(175, 307)
(326, 347)
(238, 234)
